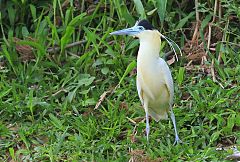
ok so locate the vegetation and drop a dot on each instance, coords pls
(68, 92)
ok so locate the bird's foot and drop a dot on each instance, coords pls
(177, 141)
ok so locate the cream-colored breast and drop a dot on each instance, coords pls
(152, 80)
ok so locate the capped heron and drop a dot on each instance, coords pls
(154, 79)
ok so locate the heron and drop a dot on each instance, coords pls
(154, 80)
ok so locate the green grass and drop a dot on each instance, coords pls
(47, 103)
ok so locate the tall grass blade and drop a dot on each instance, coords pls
(9, 58)
(161, 6)
(140, 9)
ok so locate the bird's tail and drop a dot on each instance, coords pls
(163, 115)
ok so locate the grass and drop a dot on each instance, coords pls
(47, 99)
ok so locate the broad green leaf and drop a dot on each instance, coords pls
(161, 6)
(11, 15)
(204, 24)
(86, 81)
(117, 5)
(77, 20)
(72, 94)
(130, 67)
(151, 12)
(105, 70)
(33, 11)
(89, 102)
(41, 24)
(25, 32)
(133, 44)
(4, 93)
(195, 95)
(183, 21)
(91, 36)
(12, 154)
(9, 58)
(67, 37)
(140, 9)
(180, 76)
(56, 122)
(55, 37)
(68, 15)
(230, 123)
(127, 16)
(238, 119)
(22, 135)
(215, 136)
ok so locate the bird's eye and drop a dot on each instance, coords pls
(141, 28)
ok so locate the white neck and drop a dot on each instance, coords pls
(149, 47)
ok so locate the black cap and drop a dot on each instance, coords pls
(144, 23)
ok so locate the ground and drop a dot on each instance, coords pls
(68, 91)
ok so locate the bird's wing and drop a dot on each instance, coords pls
(139, 89)
(168, 81)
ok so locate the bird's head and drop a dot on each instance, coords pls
(141, 29)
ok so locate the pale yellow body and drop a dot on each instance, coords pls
(154, 80)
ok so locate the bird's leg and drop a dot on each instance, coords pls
(177, 139)
(147, 126)
(147, 119)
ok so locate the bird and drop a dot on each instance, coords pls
(154, 80)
